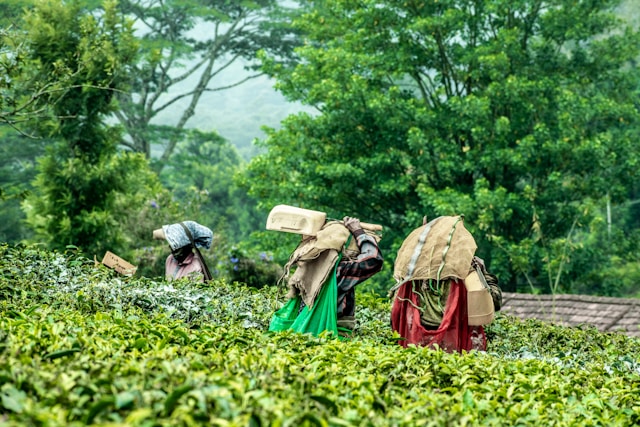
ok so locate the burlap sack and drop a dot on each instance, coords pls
(440, 249)
(480, 309)
(315, 258)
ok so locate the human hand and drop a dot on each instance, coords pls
(478, 262)
(352, 224)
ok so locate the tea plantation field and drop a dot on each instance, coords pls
(80, 345)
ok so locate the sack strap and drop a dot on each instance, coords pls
(207, 273)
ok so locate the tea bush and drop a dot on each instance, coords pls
(80, 345)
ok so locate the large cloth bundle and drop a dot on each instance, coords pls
(315, 319)
(315, 259)
(440, 249)
(177, 235)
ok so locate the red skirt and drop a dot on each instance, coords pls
(454, 333)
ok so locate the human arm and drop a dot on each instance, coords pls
(367, 263)
(492, 281)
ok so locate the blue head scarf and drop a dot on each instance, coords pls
(177, 237)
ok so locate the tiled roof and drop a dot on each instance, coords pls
(605, 313)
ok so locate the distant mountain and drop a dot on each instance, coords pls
(238, 114)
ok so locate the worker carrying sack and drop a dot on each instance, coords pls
(444, 249)
(312, 287)
(441, 250)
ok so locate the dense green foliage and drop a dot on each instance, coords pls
(80, 345)
(79, 178)
(18, 92)
(18, 160)
(206, 163)
(521, 115)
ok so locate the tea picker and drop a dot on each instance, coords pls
(332, 258)
(185, 240)
(443, 295)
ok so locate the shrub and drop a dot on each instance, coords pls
(80, 345)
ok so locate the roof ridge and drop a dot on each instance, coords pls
(571, 297)
(605, 313)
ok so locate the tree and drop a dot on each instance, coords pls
(206, 164)
(186, 45)
(81, 175)
(18, 95)
(514, 113)
(19, 111)
(18, 156)
(23, 96)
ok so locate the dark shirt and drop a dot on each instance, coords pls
(352, 272)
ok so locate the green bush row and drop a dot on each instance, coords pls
(79, 345)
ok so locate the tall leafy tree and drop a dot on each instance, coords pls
(522, 115)
(23, 97)
(81, 174)
(186, 45)
(19, 110)
(17, 94)
(15, 153)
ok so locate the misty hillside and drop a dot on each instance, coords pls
(239, 113)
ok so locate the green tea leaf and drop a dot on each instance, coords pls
(325, 401)
(172, 399)
(61, 353)
(13, 399)
(98, 407)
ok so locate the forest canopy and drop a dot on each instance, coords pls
(523, 116)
